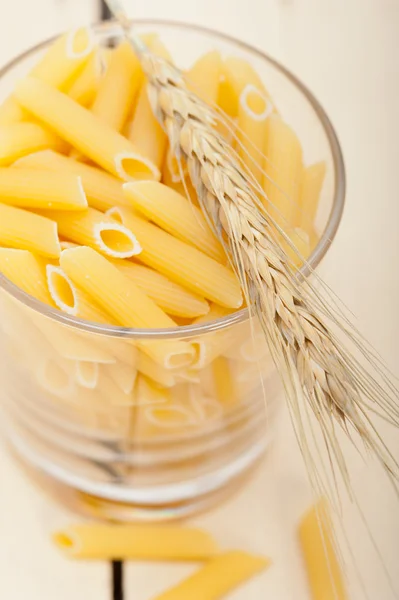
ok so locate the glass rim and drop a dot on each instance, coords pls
(239, 316)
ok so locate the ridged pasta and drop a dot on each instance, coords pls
(183, 263)
(171, 211)
(128, 305)
(57, 67)
(27, 231)
(118, 87)
(94, 228)
(123, 375)
(283, 170)
(20, 139)
(172, 298)
(30, 188)
(85, 87)
(237, 73)
(27, 271)
(204, 76)
(154, 371)
(86, 132)
(103, 191)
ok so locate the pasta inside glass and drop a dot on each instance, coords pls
(162, 419)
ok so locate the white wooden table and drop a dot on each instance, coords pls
(346, 51)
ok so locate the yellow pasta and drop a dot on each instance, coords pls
(217, 577)
(86, 132)
(183, 263)
(20, 139)
(225, 390)
(129, 306)
(171, 177)
(118, 87)
(57, 67)
(94, 228)
(135, 542)
(204, 76)
(154, 371)
(27, 271)
(171, 297)
(311, 185)
(147, 393)
(283, 170)
(85, 87)
(30, 188)
(317, 541)
(301, 241)
(27, 231)
(103, 191)
(236, 74)
(146, 133)
(174, 214)
(254, 110)
(123, 375)
(87, 374)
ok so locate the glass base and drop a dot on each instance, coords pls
(113, 502)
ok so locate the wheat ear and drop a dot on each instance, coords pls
(297, 321)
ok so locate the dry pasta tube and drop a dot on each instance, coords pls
(94, 228)
(135, 542)
(225, 389)
(283, 171)
(182, 263)
(85, 87)
(125, 302)
(58, 66)
(30, 188)
(172, 178)
(118, 87)
(123, 375)
(204, 76)
(20, 139)
(217, 577)
(103, 191)
(87, 374)
(317, 539)
(145, 133)
(83, 130)
(146, 393)
(311, 185)
(27, 271)
(302, 243)
(171, 211)
(154, 371)
(172, 298)
(212, 345)
(27, 231)
(236, 74)
(254, 110)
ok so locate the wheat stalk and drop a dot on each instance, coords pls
(297, 320)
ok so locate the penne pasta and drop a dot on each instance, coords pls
(124, 75)
(283, 170)
(135, 542)
(86, 132)
(55, 377)
(311, 185)
(317, 541)
(146, 133)
(171, 211)
(57, 67)
(27, 231)
(94, 228)
(125, 302)
(30, 188)
(85, 87)
(103, 191)
(110, 393)
(154, 371)
(87, 374)
(224, 387)
(217, 577)
(212, 345)
(172, 298)
(20, 139)
(204, 76)
(70, 299)
(302, 246)
(254, 110)
(172, 178)
(123, 375)
(236, 74)
(27, 271)
(183, 263)
(146, 393)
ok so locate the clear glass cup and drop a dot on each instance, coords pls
(87, 408)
